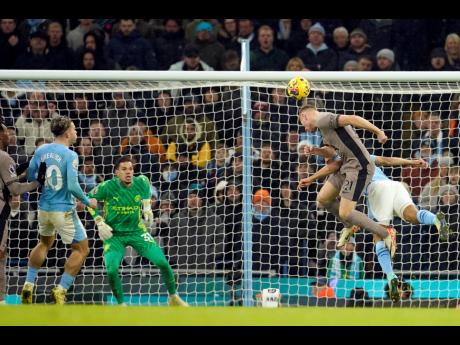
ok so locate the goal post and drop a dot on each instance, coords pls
(227, 212)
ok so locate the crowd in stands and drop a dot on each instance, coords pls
(276, 44)
(189, 141)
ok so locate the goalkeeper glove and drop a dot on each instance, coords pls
(147, 212)
(104, 230)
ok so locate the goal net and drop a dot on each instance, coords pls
(188, 138)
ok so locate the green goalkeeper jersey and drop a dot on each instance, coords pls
(122, 204)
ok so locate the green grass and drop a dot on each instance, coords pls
(221, 316)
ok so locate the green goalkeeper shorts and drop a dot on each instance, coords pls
(142, 242)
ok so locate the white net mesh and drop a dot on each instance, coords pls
(187, 138)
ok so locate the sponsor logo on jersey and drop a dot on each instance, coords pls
(137, 198)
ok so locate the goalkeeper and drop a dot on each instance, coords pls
(123, 198)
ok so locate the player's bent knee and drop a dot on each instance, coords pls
(344, 214)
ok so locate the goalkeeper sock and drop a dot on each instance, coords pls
(425, 217)
(66, 281)
(384, 258)
(31, 275)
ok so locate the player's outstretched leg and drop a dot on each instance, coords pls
(150, 250)
(414, 216)
(36, 258)
(112, 261)
(384, 259)
(346, 234)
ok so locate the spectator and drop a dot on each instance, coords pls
(170, 43)
(129, 49)
(416, 178)
(386, 60)
(231, 212)
(269, 235)
(137, 145)
(228, 35)
(167, 211)
(29, 26)
(81, 111)
(210, 50)
(95, 42)
(12, 44)
(266, 57)
(289, 155)
(16, 151)
(75, 37)
(340, 37)
(438, 60)
(317, 56)
(153, 143)
(190, 29)
(61, 55)
(246, 31)
(197, 235)
(102, 149)
(236, 169)
(358, 47)
(263, 128)
(379, 32)
(87, 176)
(434, 137)
(161, 112)
(282, 109)
(295, 64)
(84, 149)
(37, 55)
(300, 219)
(191, 147)
(120, 114)
(217, 167)
(346, 263)
(430, 195)
(283, 33)
(34, 121)
(298, 38)
(230, 61)
(266, 172)
(148, 28)
(351, 66)
(365, 63)
(191, 61)
(452, 49)
(11, 103)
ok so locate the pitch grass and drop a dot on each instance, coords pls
(70, 315)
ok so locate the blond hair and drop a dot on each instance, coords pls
(293, 61)
(456, 38)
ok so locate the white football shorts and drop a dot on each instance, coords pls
(66, 224)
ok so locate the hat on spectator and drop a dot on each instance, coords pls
(39, 34)
(350, 63)
(262, 195)
(196, 188)
(317, 27)
(203, 26)
(438, 52)
(387, 54)
(191, 50)
(260, 106)
(358, 31)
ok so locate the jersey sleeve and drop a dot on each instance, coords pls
(7, 169)
(327, 121)
(145, 194)
(72, 179)
(99, 192)
(33, 167)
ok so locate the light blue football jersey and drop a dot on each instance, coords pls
(61, 184)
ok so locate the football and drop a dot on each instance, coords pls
(298, 88)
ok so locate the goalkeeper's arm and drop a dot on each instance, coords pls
(104, 230)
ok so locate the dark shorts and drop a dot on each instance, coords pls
(351, 183)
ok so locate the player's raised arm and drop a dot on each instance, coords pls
(359, 122)
(146, 203)
(330, 168)
(72, 181)
(396, 161)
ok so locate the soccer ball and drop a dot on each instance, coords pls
(298, 88)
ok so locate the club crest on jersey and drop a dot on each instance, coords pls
(12, 170)
(137, 198)
(75, 164)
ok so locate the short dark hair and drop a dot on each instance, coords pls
(60, 124)
(307, 106)
(123, 159)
